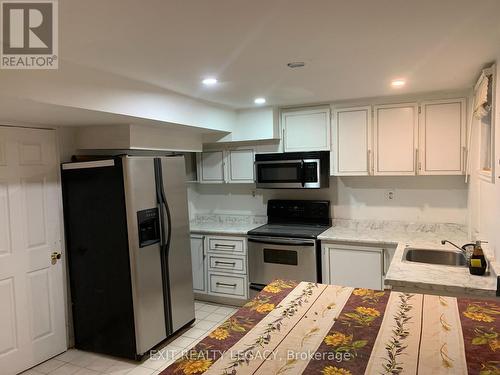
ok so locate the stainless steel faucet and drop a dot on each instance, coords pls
(463, 249)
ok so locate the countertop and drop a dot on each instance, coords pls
(419, 277)
(235, 229)
(401, 275)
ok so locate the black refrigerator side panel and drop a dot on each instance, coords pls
(99, 264)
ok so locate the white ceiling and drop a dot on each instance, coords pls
(352, 48)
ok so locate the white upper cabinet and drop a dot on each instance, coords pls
(395, 139)
(442, 137)
(211, 167)
(226, 166)
(306, 129)
(352, 141)
(240, 166)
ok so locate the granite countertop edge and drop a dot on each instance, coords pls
(223, 229)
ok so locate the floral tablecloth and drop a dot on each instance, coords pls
(294, 328)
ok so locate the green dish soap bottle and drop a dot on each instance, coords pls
(477, 262)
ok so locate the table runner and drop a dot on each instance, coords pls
(293, 328)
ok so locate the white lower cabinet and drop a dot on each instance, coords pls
(227, 285)
(358, 266)
(199, 264)
(226, 263)
(219, 266)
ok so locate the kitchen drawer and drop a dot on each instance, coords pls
(226, 245)
(228, 285)
(227, 264)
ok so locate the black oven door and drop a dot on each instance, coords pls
(280, 174)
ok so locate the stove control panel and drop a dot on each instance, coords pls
(313, 211)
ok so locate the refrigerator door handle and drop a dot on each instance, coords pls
(165, 243)
(169, 219)
(159, 202)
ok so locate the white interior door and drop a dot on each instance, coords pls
(32, 313)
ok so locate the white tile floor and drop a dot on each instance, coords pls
(77, 362)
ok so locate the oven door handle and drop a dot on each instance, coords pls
(285, 242)
(257, 287)
(302, 173)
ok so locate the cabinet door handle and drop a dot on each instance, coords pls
(225, 284)
(326, 264)
(203, 247)
(464, 159)
(221, 262)
(224, 177)
(225, 246)
(383, 262)
(369, 162)
(416, 161)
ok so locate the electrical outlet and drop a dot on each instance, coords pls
(390, 194)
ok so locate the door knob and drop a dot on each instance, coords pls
(55, 257)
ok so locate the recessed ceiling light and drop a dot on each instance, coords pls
(259, 100)
(398, 82)
(209, 81)
(296, 64)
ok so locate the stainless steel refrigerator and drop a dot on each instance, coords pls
(127, 234)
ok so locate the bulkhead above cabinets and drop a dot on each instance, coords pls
(402, 139)
(250, 125)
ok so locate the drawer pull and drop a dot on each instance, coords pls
(221, 262)
(226, 285)
(226, 246)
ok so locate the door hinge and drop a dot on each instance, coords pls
(419, 109)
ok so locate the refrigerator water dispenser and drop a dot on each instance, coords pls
(148, 224)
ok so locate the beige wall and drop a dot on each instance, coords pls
(418, 199)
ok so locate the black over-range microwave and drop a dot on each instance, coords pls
(292, 170)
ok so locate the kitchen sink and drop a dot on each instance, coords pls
(432, 256)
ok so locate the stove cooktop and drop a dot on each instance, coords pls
(290, 230)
